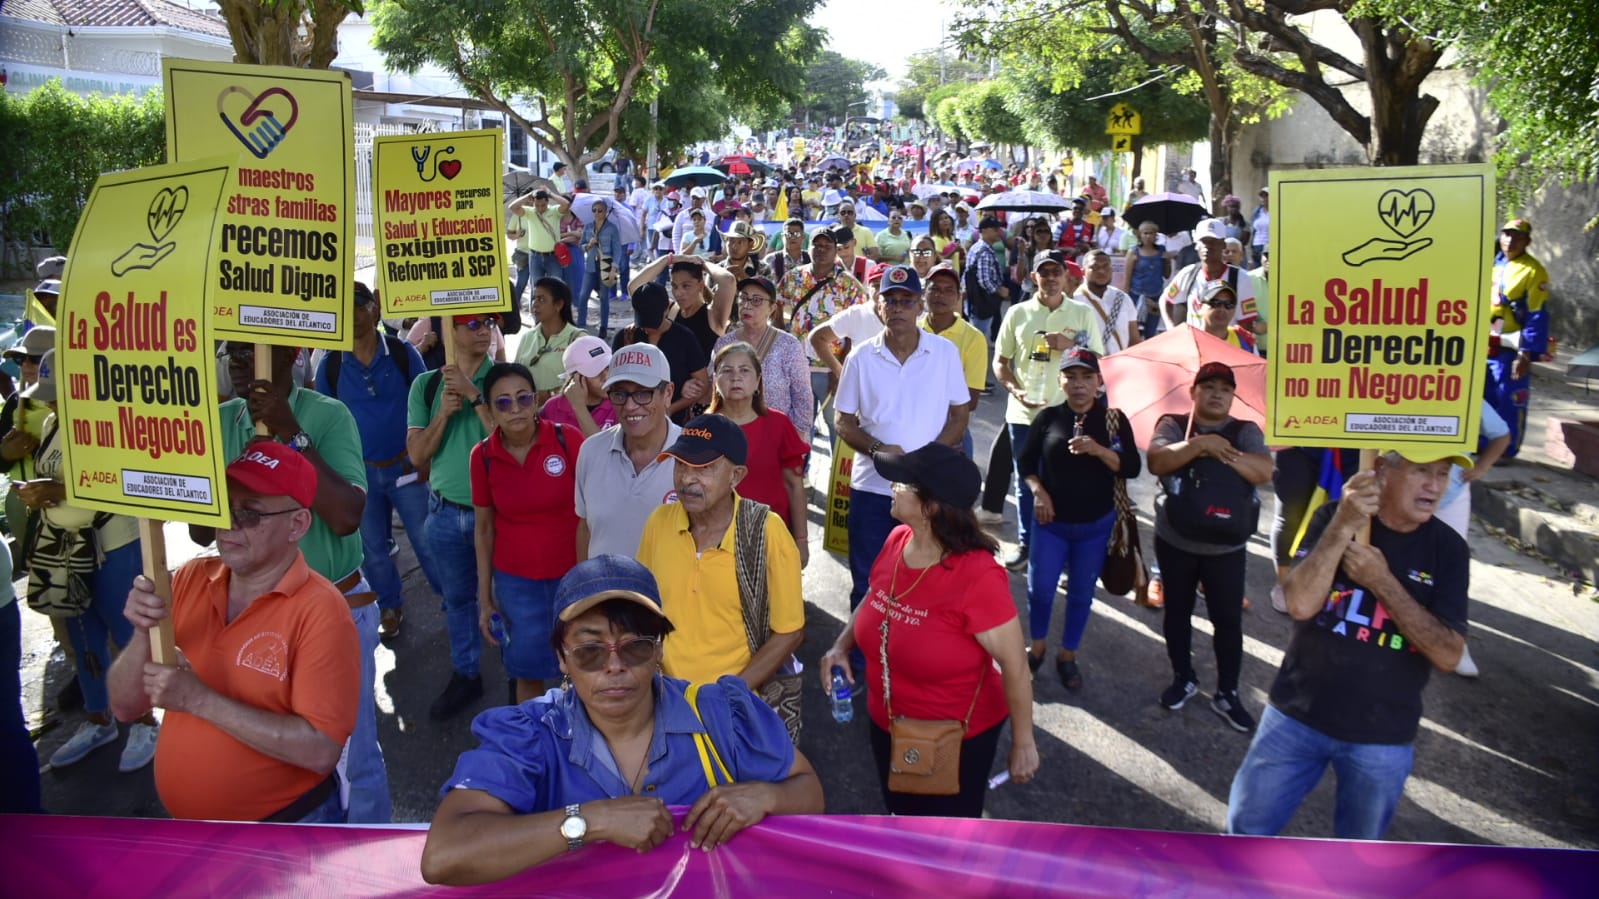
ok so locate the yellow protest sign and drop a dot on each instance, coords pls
(137, 376)
(835, 536)
(1378, 279)
(1124, 119)
(438, 222)
(286, 248)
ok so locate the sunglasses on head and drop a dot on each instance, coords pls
(593, 656)
(522, 400)
(478, 324)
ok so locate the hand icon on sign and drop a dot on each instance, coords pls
(1381, 249)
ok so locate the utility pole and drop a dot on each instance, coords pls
(651, 163)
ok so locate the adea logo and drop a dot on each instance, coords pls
(1295, 421)
(554, 465)
(260, 458)
(669, 498)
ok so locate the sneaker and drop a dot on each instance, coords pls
(1017, 561)
(140, 749)
(1182, 687)
(1279, 600)
(389, 623)
(1466, 667)
(986, 517)
(1231, 708)
(461, 692)
(90, 736)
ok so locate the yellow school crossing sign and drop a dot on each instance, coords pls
(1121, 143)
(1124, 119)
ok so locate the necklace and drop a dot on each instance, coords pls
(893, 581)
(638, 776)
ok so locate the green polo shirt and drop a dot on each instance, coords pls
(543, 355)
(449, 475)
(1019, 331)
(338, 442)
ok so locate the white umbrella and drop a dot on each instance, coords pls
(865, 213)
(621, 215)
(923, 191)
(1025, 201)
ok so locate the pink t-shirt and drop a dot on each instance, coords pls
(558, 408)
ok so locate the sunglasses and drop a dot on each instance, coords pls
(921, 252)
(752, 299)
(634, 652)
(244, 518)
(522, 400)
(902, 302)
(32, 359)
(1222, 304)
(478, 324)
(619, 398)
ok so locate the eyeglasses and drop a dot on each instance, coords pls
(244, 518)
(32, 359)
(619, 398)
(522, 400)
(1222, 304)
(752, 299)
(634, 651)
(902, 302)
(921, 252)
(478, 324)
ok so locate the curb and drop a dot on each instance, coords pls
(1531, 516)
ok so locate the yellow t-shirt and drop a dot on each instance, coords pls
(699, 593)
(973, 348)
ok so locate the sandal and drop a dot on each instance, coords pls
(1034, 662)
(1070, 677)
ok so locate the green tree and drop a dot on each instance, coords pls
(926, 70)
(943, 105)
(985, 114)
(1539, 61)
(834, 86)
(299, 33)
(580, 65)
(47, 181)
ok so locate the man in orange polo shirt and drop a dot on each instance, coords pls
(268, 678)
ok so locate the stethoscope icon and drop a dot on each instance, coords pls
(419, 155)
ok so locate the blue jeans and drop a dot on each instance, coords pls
(1511, 398)
(819, 381)
(539, 265)
(966, 444)
(575, 276)
(454, 545)
(869, 524)
(592, 282)
(363, 757)
(19, 762)
(1078, 548)
(383, 499)
(1024, 497)
(1286, 761)
(102, 624)
(527, 608)
(331, 811)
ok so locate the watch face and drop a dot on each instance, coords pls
(574, 828)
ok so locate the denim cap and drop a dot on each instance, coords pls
(595, 580)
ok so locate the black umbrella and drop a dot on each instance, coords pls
(517, 181)
(1171, 213)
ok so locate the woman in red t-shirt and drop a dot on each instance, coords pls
(944, 606)
(776, 459)
(523, 483)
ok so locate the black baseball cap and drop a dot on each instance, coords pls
(761, 282)
(1080, 357)
(650, 300)
(1215, 371)
(989, 222)
(940, 470)
(707, 438)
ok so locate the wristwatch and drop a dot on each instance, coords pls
(300, 442)
(477, 401)
(574, 827)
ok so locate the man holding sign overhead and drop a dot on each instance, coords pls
(264, 691)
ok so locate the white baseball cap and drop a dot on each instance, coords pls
(1211, 228)
(587, 355)
(641, 363)
(698, 192)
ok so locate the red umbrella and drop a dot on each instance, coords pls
(1152, 379)
(738, 167)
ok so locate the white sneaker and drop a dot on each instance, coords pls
(90, 736)
(986, 517)
(1466, 667)
(140, 749)
(1279, 601)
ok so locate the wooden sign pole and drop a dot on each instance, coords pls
(1368, 461)
(263, 372)
(153, 549)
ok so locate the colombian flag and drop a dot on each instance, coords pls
(1329, 487)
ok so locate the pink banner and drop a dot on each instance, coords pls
(793, 856)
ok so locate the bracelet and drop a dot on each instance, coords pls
(871, 451)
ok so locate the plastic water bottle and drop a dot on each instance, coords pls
(843, 709)
(1037, 386)
(497, 629)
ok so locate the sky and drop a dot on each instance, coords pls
(857, 29)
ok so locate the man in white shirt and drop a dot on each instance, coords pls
(684, 222)
(900, 391)
(1113, 308)
(1183, 299)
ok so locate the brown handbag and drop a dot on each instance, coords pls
(924, 757)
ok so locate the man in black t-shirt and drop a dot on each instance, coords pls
(1371, 621)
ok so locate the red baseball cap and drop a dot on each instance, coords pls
(463, 319)
(274, 469)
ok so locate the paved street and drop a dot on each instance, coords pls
(1510, 758)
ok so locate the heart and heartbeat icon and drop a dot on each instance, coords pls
(260, 121)
(166, 208)
(1405, 212)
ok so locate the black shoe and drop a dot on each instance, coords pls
(1228, 706)
(70, 697)
(461, 692)
(1017, 561)
(1070, 677)
(1034, 662)
(1182, 687)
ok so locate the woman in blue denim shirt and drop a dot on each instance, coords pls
(604, 757)
(601, 239)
